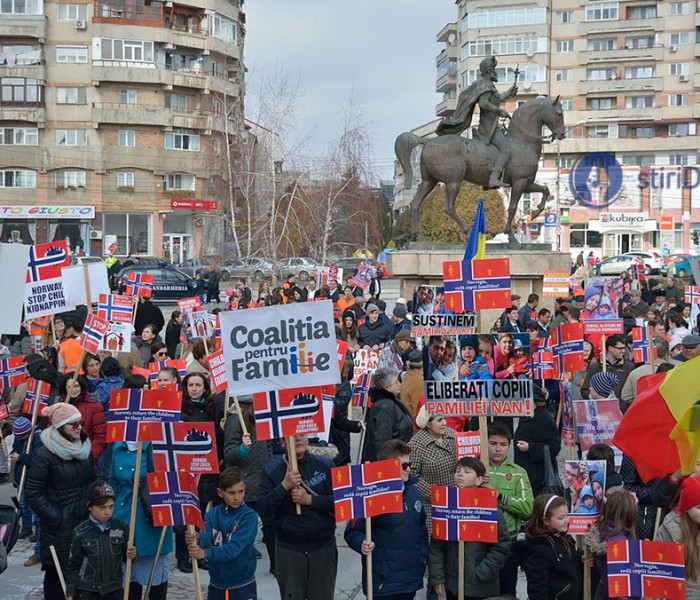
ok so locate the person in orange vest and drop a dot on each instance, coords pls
(69, 352)
(346, 300)
(287, 288)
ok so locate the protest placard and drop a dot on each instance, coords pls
(285, 346)
(596, 423)
(468, 443)
(13, 266)
(288, 412)
(464, 514)
(118, 338)
(44, 291)
(79, 279)
(586, 481)
(568, 433)
(186, 305)
(442, 324)
(555, 284)
(200, 324)
(364, 361)
(603, 327)
(217, 368)
(189, 447)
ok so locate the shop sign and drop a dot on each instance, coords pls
(47, 212)
(610, 220)
(184, 204)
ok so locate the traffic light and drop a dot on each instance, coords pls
(696, 237)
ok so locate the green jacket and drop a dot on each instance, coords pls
(515, 497)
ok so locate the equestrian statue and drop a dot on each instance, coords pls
(493, 158)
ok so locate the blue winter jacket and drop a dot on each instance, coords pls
(401, 546)
(228, 541)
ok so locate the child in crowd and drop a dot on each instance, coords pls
(227, 541)
(397, 539)
(98, 550)
(617, 522)
(482, 562)
(515, 497)
(547, 554)
(683, 527)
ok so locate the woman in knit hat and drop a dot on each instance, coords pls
(683, 527)
(56, 488)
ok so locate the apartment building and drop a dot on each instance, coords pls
(629, 77)
(114, 121)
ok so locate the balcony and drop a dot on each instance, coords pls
(446, 107)
(448, 32)
(622, 26)
(610, 86)
(129, 12)
(23, 26)
(615, 115)
(623, 54)
(126, 72)
(447, 82)
(37, 72)
(131, 114)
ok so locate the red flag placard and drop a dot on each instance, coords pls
(4, 412)
(293, 411)
(567, 348)
(476, 284)
(186, 305)
(36, 389)
(139, 284)
(367, 490)
(189, 447)
(174, 499)
(130, 408)
(13, 371)
(94, 330)
(47, 260)
(217, 368)
(342, 348)
(468, 443)
(464, 514)
(156, 367)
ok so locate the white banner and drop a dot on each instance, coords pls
(13, 266)
(74, 283)
(277, 347)
(47, 212)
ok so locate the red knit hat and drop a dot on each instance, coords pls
(61, 414)
(690, 494)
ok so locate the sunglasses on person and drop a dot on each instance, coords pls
(406, 466)
(161, 353)
(77, 424)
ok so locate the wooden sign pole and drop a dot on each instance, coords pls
(460, 569)
(132, 518)
(368, 559)
(293, 464)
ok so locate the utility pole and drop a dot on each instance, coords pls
(366, 234)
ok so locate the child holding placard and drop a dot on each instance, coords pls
(482, 562)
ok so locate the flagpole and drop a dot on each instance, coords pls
(59, 571)
(86, 279)
(28, 449)
(651, 341)
(292, 454)
(363, 433)
(240, 417)
(195, 568)
(152, 575)
(53, 331)
(79, 366)
(460, 569)
(368, 559)
(132, 519)
(586, 574)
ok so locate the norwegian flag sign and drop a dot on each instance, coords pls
(567, 348)
(114, 308)
(641, 568)
(94, 331)
(13, 371)
(692, 294)
(189, 447)
(638, 270)
(217, 368)
(641, 345)
(360, 395)
(368, 490)
(4, 412)
(128, 409)
(139, 284)
(476, 284)
(543, 365)
(156, 367)
(174, 499)
(44, 291)
(36, 390)
(284, 413)
(464, 514)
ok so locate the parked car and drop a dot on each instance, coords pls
(677, 265)
(301, 266)
(616, 265)
(652, 260)
(84, 260)
(169, 284)
(350, 263)
(251, 268)
(192, 266)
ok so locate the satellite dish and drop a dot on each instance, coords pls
(527, 85)
(530, 53)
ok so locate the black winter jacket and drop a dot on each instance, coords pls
(538, 431)
(96, 558)
(388, 419)
(551, 565)
(341, 426)
(374, 334)
(56, 490)
(315, 527)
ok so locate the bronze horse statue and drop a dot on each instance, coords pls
(452, 159)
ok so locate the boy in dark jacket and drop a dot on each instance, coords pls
(306, 555)
(399, 545)
(98, 549)
(227, 541)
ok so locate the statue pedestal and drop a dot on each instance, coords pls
(422, 264)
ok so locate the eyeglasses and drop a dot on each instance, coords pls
(77, 424)
(406, 466)
(619, 347)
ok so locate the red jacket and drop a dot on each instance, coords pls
(95, 423)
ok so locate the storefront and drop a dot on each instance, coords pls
(133, 232)
(625, 232)
(37, 224)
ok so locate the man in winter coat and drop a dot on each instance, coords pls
(306, 555)
(391, 355)
(399, 545)
(148, 313)
(615, 363)
(374, 333)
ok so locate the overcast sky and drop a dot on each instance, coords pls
(383, 49)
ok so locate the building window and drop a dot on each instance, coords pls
(596, 45)
(564, 16)
(567, 103)
(71, 95)
(21, 7)
(71, 54)
(581, 237)
(638, 160)
(17, 179)
(564, 75)
(641, 12)
(640, 72)
(19, 136)
(71, 179)
(132, 230)
(19, 91)
(125, 179)
(680, 8)
(678, 69)
(639, 102)
(601, 74)
(71, 137)
(532, 73)
(20, 54)
(678, 160)
(71, 12)
(681, 129)
(601, 11)
(179, 181)
(127, 138)
(678, 99)
(176, 101)
(126, 50)
(600, 103)
(18, 232)
(128, 96)
(562, 162)
(640, 42)
(223, 28)
(182, 139)
(565, 45)
(599, 132)
(518, 44)
(531, 15)
(635, 131)
(678, 39)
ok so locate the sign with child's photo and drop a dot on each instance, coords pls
(596, 423)
(585, 479)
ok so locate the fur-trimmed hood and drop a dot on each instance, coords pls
(596, 543)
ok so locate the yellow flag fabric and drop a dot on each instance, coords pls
(681, 388)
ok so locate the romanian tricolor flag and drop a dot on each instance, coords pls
(660, 431)
(476, 244)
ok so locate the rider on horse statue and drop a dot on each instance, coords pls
(484, 93)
